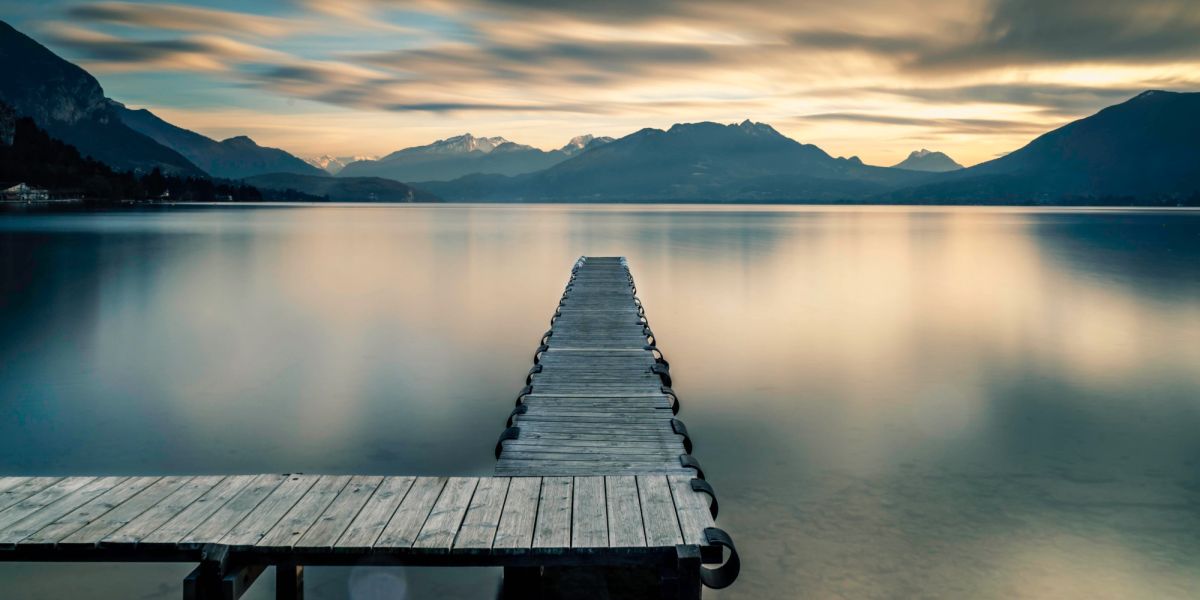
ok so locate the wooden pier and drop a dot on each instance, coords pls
(594, 471)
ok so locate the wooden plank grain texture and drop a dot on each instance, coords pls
(58, 512)
(254, 526)
(198, 512)
(75, 520)
(479, 525)
(447, 514)
(341, 512)
(376, 513)
(405, 526)
(156, 516)
(520, 513)
(553, 529)
(305, 512)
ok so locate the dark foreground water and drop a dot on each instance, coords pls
(891, 403)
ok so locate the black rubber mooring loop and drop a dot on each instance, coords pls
(511, 433)
(546, 336)
(726, 574)
(659, 357)
(537, 356)
(688, 461)
(674, 399)
(662, 371)
(521, 395)
(678, 427)
(703, 487)
(519, 410)
(532, 370)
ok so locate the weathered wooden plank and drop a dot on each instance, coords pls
(594, 448)
(222, 520)
(520, 513)
(7, 483)
(94, 531)
(305, 512)
(589, 514)
(255, 525)
(35, 502)
(658, 511)
(75, 520)
(692, 509)
(527, 468)
(406, 524)
(159, 514)
(447, 514)
(60, 508)
(483, 516)
(365, 529)
(341, 512)
(24, 488)
(625, 528)
(553, 529)
(198, 512)
(648, 459)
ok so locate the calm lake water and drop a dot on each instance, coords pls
(891, 403)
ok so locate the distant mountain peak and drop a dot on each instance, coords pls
(928, 160)
(466, 143)
(334, 164)
(1150, 94)
(580, 143)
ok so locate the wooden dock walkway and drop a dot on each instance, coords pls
(594, 471)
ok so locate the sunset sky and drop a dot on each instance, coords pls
(873, 78)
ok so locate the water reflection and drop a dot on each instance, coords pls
(891, 402)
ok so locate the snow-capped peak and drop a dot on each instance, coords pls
(467, 143)
(333, 164)
(580, 143)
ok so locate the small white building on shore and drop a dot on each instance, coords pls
(23, 192)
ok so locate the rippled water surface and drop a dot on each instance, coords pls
(890, 402)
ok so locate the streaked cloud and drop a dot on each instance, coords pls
(869, 77)
(107, 52)
(179, 17)
(949, 125)
(1023, 32)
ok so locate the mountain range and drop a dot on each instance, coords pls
(69, 104)
(234, 158)
(1146, 149)
(1143, 151)
(743, 162)
(466, 154)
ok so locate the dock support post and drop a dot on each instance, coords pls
(688, 572)
(238, 580)
(522, 583)
(289, 582)
(204, 582)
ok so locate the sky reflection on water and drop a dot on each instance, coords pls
(940, 402)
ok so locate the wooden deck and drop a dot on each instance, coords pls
(336, 519)
(599, 400)
(594, 470)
